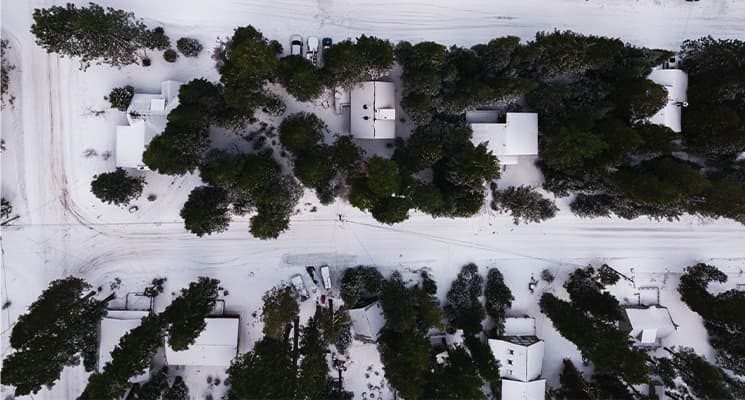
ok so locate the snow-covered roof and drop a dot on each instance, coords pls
(648, 325)
(519, 326)
(373, 110)
(518, 136)
(130, 144)
(367, 321)
(113, 326)
(522, 362)
(144, 104)
(515, 390)
(675, 82)
(217, 345)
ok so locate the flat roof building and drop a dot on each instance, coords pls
(675, 81)
(517, 136)
(516, 390)
(372, 110)
(217, 345)
(114, 325)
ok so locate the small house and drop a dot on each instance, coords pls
(114, 325)
(516, 137)
(675, 82)
(367, 321)
(146, 118)
(520, 356)
(217, 345)
(648, 325)
(372, 110)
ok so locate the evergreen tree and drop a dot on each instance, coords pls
(524, 204)
(189, 47)
(407, 362)
(483, 358)
(498, 298)
(300, 132)
(280, 309)
(177, 391)
(399, 307)
(585, 290)
(313, 380)
(457, 378)
(59, 327)
(117, 187)
(573, 385)
(383, 177)
(345, 154)
(300, 77)
(391, 210)
(153, 389)
(187, 312)
(266, 372)
(463, 306)
(360, 283)
(206, 211)
(93, 34)
(121, 97)
(703, 379)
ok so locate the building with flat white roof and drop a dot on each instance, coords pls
(516, 390)
(519, 326)
(114, 325)
(372, 110)
(146, 117)
(675, 81)
(367, 321)
(516, 137)
(649, 325)
(217, 345)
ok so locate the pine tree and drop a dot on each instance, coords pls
(585, 291)
(463, 307)
(177, 391)
(573, 385)
(206, 211)
(92, 33)
(121, 97)
(457, 378)
(189, 47)
(59, 326)
(280, 308)
(117, 187)
(187, 312)
(703, 379)
(524, 203)
(265, 372)
(483, 358)
(300, 77)
(313, 380)
(498, 298)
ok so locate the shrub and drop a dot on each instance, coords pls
(170, 55)
(117, 187)
(189, 47)
(121, 97)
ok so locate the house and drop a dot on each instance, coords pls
(372, 110)
(520, 356)
(146, 118)
(217, 345)
(113, 326)
(516, 137)
(367, 321)
(648, 325)
(516, 390)
(675, 81)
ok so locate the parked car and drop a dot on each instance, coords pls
(312, 53)
(326, 277)
(299, 285)
(326, 43)
(296, 45)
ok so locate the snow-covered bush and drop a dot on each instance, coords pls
(189, 47)
(170, 55)
(524, 203)
(121, 97)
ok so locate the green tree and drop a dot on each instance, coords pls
(177, 391)
(586, 293)
(463, 307)
(121, 97)
(300, 77)
(345, 155)
(407, 362)
(266, 372)
(571, 149)
(313, 380)
(117, 187)
(713, 129)
(399, 306)
(187, 312)
(573, 384)
(457, 378)
(498, 298)
(59, 327)
(383, 177)
(280, 309)
(483, 358)
(206, 211)
(360, 283)
(638, 98)
(189, 47)
(93, 33)
(704, 380)
(524, 203)
(391, 210)
(301, 131)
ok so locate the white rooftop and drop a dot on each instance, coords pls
(114, 325)
(519, 326)
(515, 390)
(367, 321)
(156, 103)
(217, 345)
(518, 136)
(675, 82)
(516, 361)
(648, 325)
(130, 144)
(373, 110)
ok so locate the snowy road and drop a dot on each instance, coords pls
(64, 231)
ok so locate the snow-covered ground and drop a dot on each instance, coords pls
(64, 230)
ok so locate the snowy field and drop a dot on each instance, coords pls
(64, 230)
